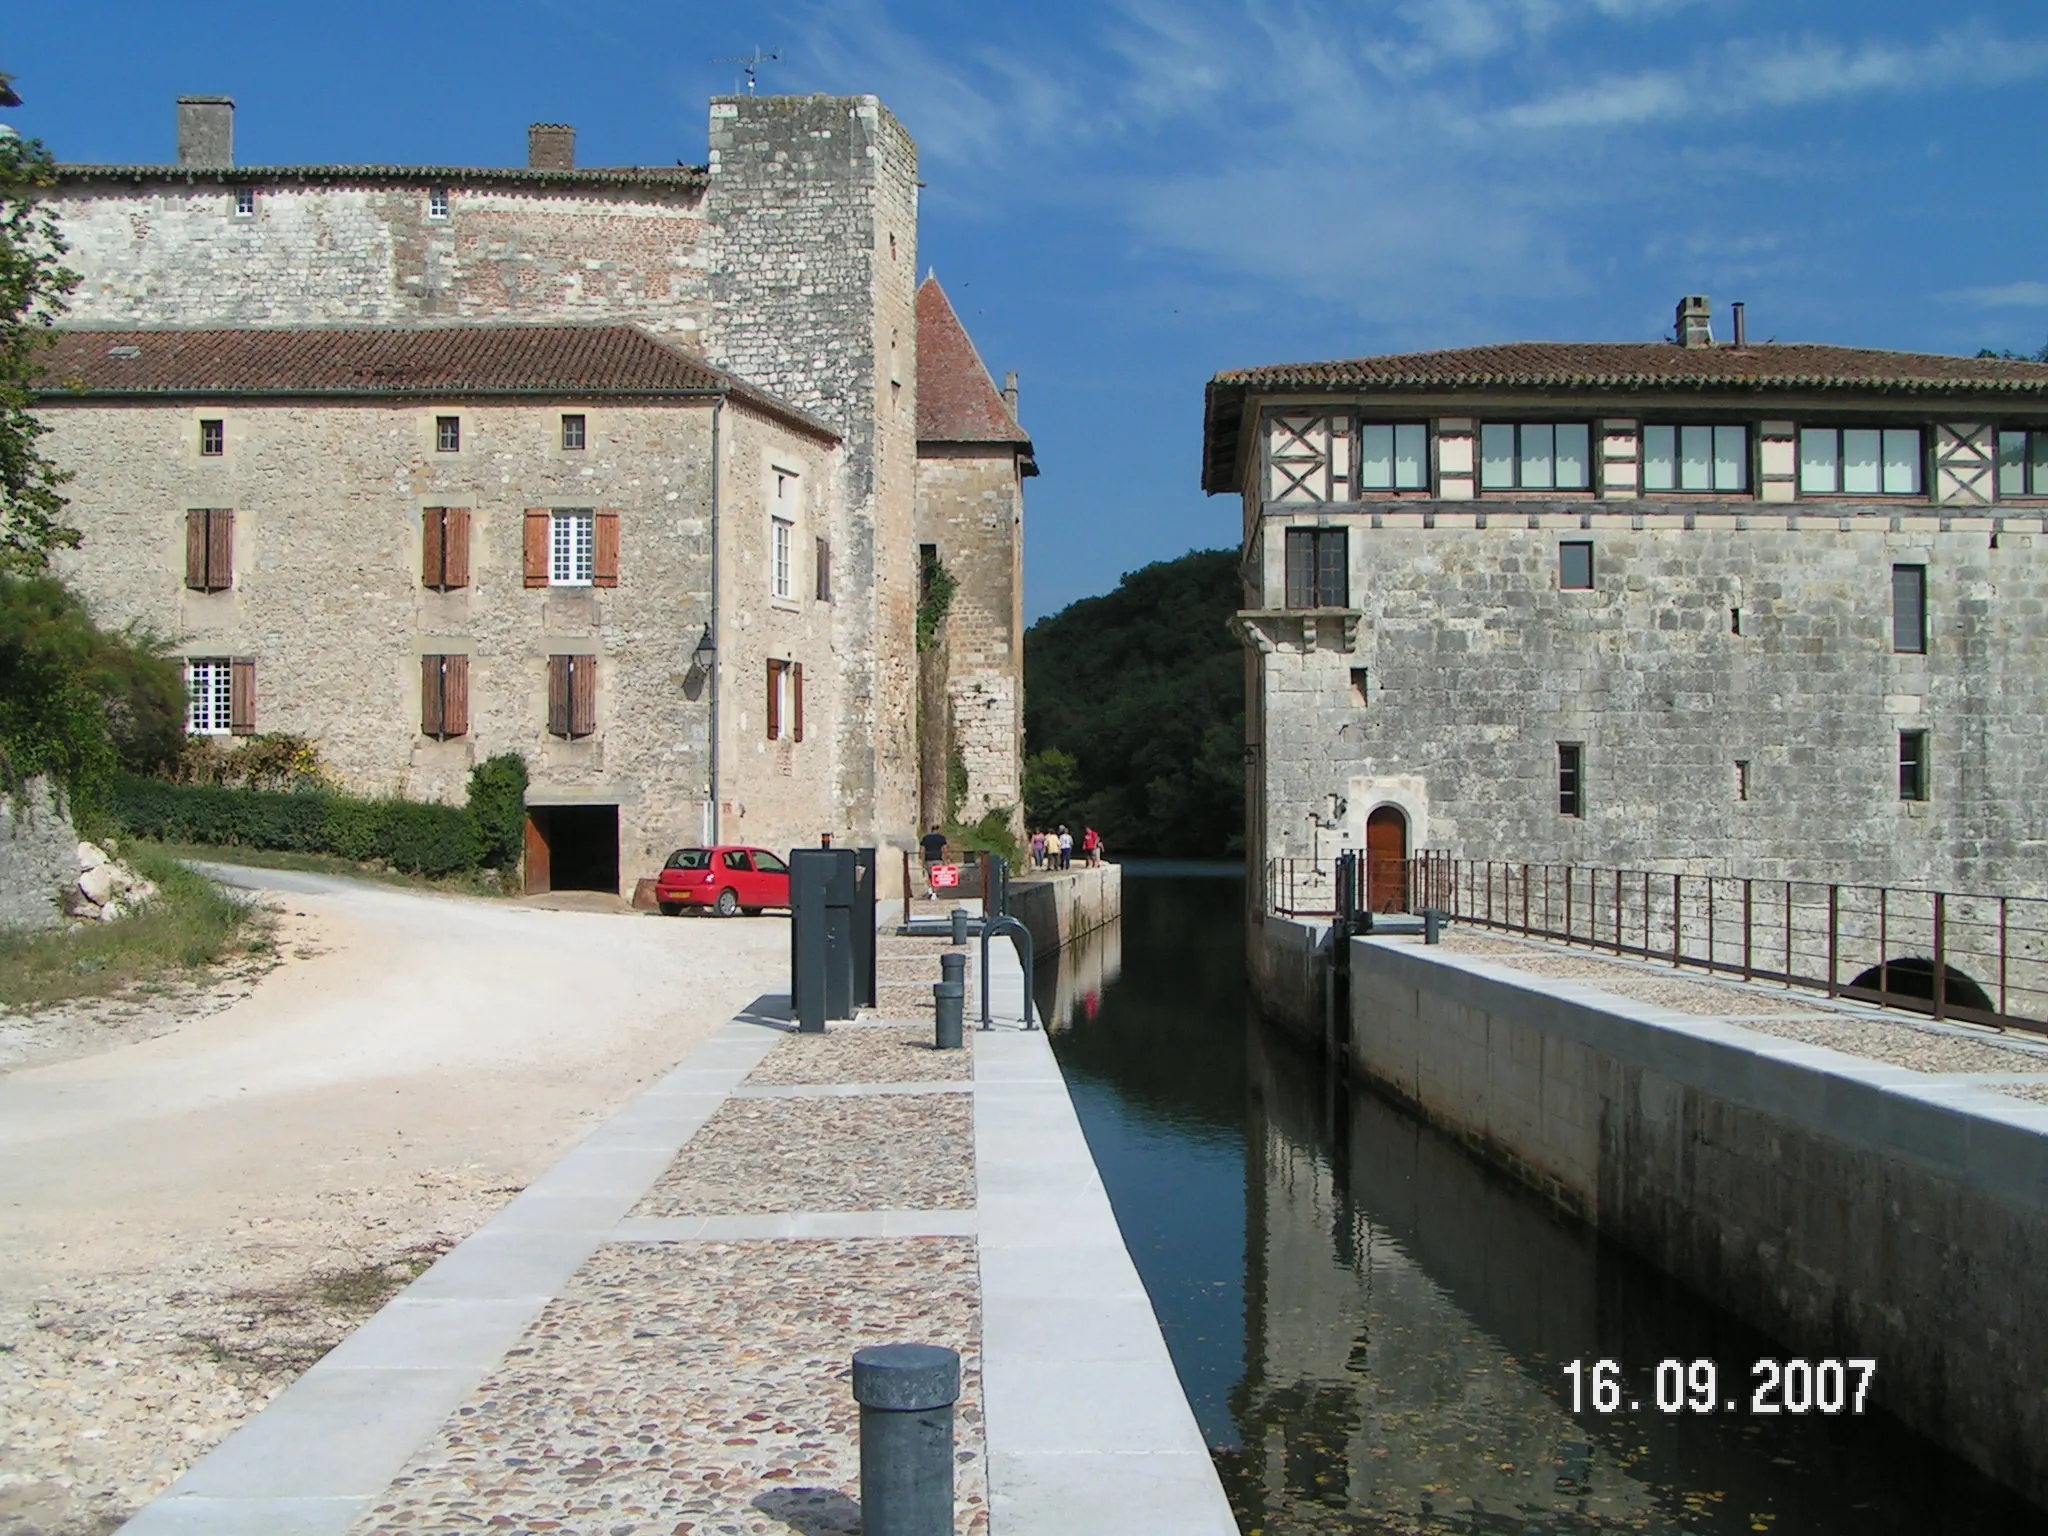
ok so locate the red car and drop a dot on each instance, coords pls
(727, 880)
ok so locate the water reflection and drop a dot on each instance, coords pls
(1371, 1324)
(1070, 982)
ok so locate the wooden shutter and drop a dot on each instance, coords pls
(582, 695)
(455, 695)
(558, 695)
(195, 549)
(220, 549)
(242, 696)
(539, 524)
(434, 549)
(774, 700)
(455, 548)
(796, 700)
(431, 696)
(604, 562)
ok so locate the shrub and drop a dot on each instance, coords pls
(497, 810)
(409, 835)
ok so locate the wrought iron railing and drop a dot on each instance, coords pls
(1976, 958)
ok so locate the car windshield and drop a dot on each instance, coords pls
(689, 858)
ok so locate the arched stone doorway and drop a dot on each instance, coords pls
(1386, 860)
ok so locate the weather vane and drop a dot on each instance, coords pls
(750, 63)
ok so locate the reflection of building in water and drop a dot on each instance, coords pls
(1071, 980)
(1369, 1385)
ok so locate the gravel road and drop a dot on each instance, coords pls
(193, 1213)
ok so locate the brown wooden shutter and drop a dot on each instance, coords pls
(582, 695)
(604, 561)
(434, 548)
(455, 547)
(539, 524)
(558, 695)
(774, 699)
(220, 549)
(796, 700)
(431, 695)
(195, 549)
(455, 695)
(242, 696)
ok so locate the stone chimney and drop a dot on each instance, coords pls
(1695, 321)
(206, 130)
(550, 147)
(1010, 393)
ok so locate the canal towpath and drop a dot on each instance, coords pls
(655, 1334)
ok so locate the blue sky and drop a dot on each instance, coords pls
(1125, 196)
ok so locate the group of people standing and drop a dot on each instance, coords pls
(1055, 849)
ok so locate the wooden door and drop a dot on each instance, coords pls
(538, 876)
(1386, 861)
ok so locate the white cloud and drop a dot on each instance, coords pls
(2020, 295)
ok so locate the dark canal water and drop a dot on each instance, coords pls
(1373, 1326)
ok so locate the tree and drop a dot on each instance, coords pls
(33, 285)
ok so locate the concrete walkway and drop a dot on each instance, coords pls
(512, 1380)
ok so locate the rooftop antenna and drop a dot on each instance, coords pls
(750, 63)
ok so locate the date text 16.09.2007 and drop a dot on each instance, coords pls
(1695, 1386)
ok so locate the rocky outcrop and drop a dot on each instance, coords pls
(47, 875)
(105, 889)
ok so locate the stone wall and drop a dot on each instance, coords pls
(1829, 1201)
(327, 595)
(38, 858)
(1059, 908)
(1473, 666)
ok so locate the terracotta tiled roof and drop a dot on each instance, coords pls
(437, 361)
(686, 177)
(957, 402)
(1766, 369)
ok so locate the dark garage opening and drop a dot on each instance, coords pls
(1913, 977)
(572, 848)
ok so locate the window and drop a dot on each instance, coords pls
(1859, 461)
(2023, 463)
(213, 439)
(572, 549)
(1742, 778)
(245, 202)
(1575, 566)
(1318, 568)
(1912, 765)
(1734, 621)
(764, 862)
(823, 557)
(444, 548)
(220, 695)
(444, 696)
(927, 570)
(735, 860)
(1695, 458)
(1535, 456)
(437, 203)
(1571, 778)
(1909, 610)
(1359, 693)
(448, 434)
(1393, 458)
(572, 695)
(785, 700)
(209, 549)
(781, 533)
(572, 433)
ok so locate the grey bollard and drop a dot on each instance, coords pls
(953, 967)
(906, 1394)
(1432, 926)
(949, 1006)
(959, 925)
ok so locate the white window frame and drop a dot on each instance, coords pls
(245, 202)
(209, 696)
(1696, 458)
(1531, 443)
(781, 543)
(437, 204)
(572, 547)
(1824, 455)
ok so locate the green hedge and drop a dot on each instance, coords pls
(418, 838)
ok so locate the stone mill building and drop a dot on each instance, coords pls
(624, 469)
(1705, 606)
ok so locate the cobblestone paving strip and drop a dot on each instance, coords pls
(899, 1152)
(699, 1389)
(896, 1054)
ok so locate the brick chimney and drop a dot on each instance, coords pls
(1695, 321)
(206, 130)
(550, 147)
(1010, 393)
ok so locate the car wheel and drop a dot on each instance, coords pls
(671, 908)
(728, 902)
